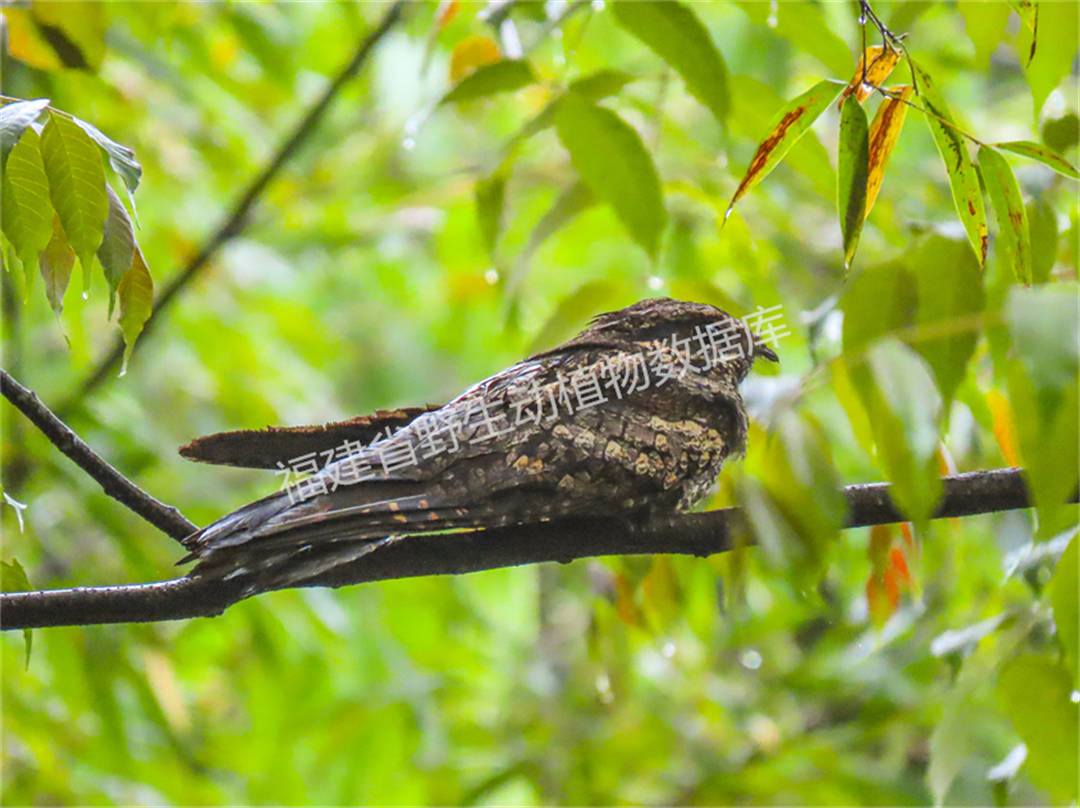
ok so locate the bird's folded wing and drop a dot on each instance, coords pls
(266, 448)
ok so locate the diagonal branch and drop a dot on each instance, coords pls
(116, 485)
(697, 534)
(237, 218)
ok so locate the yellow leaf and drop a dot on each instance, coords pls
(1004, 430)
(471, 53)
(879, 64)
(884, 131)
(136, 294)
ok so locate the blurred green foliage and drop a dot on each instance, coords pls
(412, 247)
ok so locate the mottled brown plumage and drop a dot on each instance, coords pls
(530, 443)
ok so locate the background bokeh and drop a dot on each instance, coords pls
(361, 280)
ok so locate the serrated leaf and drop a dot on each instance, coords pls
(490, 195)
(118, 245)
(14, 120)
(673, 31)
(56, 261)
(611, 159)
(13, 579)
(963, 179)
(76, 187)
(498, 77)
(787, 127)
(1035, 692)
(1041, 153)
(853, 165)
(1014, 234)
(949, 289)
(121, 157)
(879, 63)
(136, 294)
(884, 132)
(1065, 599)
(26, 211)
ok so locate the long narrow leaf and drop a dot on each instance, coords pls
(853, 166)
(884, 132)
(1041, 153)
(962, 176)
(136, 294)
(1009, 209)
(26, 212)
(788, 126)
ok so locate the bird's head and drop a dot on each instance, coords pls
(663, 318)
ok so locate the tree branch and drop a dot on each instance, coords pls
(565, 540)
(237, 219)
(116, 485)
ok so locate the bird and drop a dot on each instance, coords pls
(631, 418)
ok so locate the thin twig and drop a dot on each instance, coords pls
(116, 485)
(565, 540)
(238, 218)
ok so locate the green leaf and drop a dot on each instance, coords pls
(571, 202)
(490, 195)
(14, 120)
(985, 23)
(1065, 599)
(56, 261)
(904, 406)
(1055, 44)
(790, 124)
(1041, 153)
(13, 579)
(805, 26)
(118, 245)
(949, 290)
(487, 80)
(76, 187)
(1044, 238)
(673, 31)
(1062, 134)
(26, 212)
(611, 159)
(879, 300)
(1014, 234)
(962, 176)
(601, 84)
(574, 310)
(1043, 324)
(1035, 692)
(853, 169)
(121, 158)
(136, 293)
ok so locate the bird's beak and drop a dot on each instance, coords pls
(766, 351)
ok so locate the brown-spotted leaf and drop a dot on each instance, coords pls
(884, 131)
(1044, 155)
(787, 127)
(1012, 220)
(879, 62)
(963, 179)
